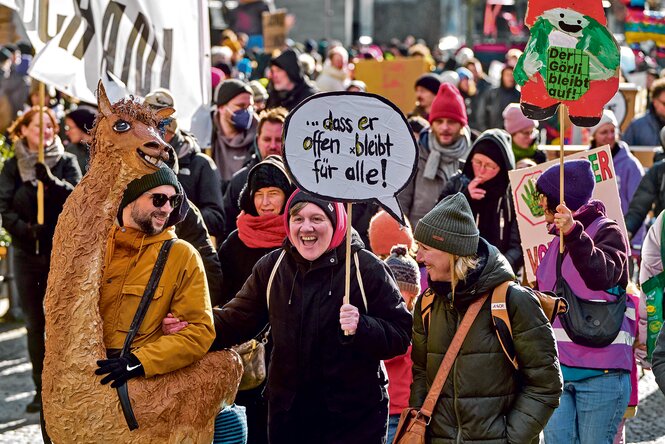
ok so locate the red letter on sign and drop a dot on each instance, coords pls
(604, 161)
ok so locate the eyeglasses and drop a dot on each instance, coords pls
(160, 199)
(487, 166)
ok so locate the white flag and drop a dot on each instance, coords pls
(134, 46)
(11, 4)
(42, 19)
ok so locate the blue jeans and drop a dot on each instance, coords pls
(590, 410)
(393, 420)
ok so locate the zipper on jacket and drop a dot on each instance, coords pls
(499, 210)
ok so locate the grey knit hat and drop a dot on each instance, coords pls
(449, 227)
(230, 88)
(405, 269)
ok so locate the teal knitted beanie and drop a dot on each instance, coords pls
(449, 227)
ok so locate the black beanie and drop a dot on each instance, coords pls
(288, 61)
(228, 89)
(163, 176)
(491, 149)
(327, 206)
(430, 82)
(83, 118)
(268, 173)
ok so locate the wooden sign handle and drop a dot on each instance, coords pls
(347, 262)
(562, 122)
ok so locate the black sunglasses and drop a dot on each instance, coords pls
(160, 199)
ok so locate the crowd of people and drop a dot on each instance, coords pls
(267, 260)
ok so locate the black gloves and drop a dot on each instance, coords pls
(36, 230)
(119, 370)
(43, 174)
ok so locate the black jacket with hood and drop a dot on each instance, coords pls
(198, 175)
(311, 355)
(303, 88)
(485, 400)
(236, 258)
(495, 213)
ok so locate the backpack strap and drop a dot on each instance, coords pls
(501, 321)
(279, 260)
(551, 304)
(272, 276)
(426, 305)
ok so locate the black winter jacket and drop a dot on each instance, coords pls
(311, 353)
(201, 181)
(499, 225)
(650, 194)
(237, 260)
(290, 99)
(485, 400)
(193, 230)
(18, 202)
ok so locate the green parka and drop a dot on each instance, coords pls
(484, 398)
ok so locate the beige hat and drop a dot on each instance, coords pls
(163, 98)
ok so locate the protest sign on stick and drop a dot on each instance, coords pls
(350, 147)
(530, 216)
(274, 30)
(572, 60)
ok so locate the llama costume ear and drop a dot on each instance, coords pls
(103, 100)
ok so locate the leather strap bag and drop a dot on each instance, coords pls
(146, 299)
(413, 423)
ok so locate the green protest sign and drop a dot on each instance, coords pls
(568, 73)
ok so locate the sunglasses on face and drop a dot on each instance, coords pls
(160, 199)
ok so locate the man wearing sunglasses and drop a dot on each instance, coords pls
(150, 207)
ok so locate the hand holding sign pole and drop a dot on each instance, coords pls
(350, 147)
(572, 60)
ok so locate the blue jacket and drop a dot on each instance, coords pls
(644, 130)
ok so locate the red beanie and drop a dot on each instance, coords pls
(448, 104)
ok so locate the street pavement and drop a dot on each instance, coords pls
(17, 390)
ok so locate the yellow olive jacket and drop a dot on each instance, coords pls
(182, 290)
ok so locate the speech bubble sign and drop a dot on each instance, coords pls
(351, 147)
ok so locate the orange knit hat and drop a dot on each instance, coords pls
(385, 232)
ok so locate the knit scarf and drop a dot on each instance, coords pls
(524, 153)
(444, 161)
(27, 159)
(265, 231)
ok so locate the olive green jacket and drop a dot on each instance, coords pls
(484, 398)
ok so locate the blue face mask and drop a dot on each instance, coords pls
(242, 119)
